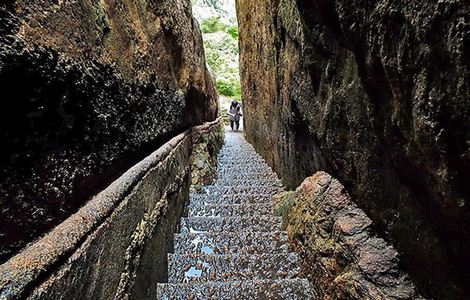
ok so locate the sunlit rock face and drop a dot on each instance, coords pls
(375, 94)
(88, 89)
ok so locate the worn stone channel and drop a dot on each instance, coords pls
(230, 245)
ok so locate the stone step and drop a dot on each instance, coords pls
(242, 169)
(231, 224)
(246, 158)
(248, 182)
(231, 267)
(230, 154)
(201, 209)
(292, 289)
(231, 243)
(245, 162)
(204, 199)
(238, 145)
(242, 189)
(251, 176)
(242, 172)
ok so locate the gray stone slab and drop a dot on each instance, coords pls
(293, 289)
(253, 182)
(230, 199)
(231, 243)
(231, 267)
(224, 190)
(201, 209)
(231, 224)
(250, 176)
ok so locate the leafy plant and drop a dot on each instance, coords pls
(212, 25)
(233, 31)
(220, 36)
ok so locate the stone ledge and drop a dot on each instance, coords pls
(20, 275)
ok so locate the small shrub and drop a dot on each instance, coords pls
(212, 25)
(233, 31)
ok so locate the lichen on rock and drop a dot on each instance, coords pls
(204, 158)
(376, 94)
(342, 254)
(90, 88)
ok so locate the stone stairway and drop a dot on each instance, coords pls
(231, 246)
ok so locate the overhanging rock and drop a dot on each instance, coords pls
(115, 246)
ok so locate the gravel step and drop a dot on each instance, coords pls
(235, 166)
(247, 159)
(198, 209)
(231, 267)
(231, 243)
(230, 199)
(293, 289)
(231, 224)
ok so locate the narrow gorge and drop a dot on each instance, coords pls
(120, 179)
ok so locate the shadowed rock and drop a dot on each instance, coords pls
(89, 89)
(376, 93)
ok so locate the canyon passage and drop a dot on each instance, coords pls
(120, 178)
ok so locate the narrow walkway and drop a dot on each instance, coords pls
(230, 245)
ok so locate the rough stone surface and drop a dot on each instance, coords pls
(88, 89)
(115, 247)
(204, 158)
(341, 253)
(292, 289)
(376, 93)
(234, 254)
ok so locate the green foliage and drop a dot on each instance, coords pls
(221, 48)
(229, 87)
(212, 25)
(233, 31)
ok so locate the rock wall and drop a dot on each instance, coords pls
(116, 245)
(341, 253)
(89, 88)
(375, 93)
(204, 158)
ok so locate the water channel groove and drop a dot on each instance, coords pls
(231, 246)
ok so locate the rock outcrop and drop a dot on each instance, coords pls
(376, 93)
(342, 255)
(116, 245)
(88, 89)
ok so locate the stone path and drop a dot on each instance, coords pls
(231, 246)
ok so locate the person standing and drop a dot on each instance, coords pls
(234, 115)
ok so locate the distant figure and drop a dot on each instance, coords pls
(234, 115)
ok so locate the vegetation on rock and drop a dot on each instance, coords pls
(220, 33)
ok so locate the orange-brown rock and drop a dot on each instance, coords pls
(375, 93)
(88, 89)
(342, 254)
